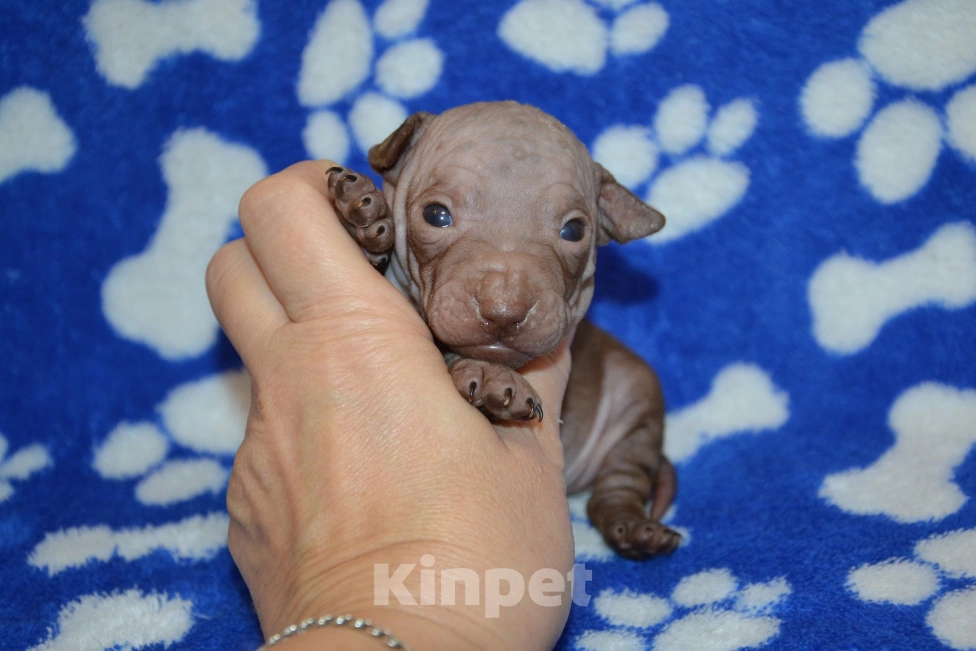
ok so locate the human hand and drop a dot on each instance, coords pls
(359, 449)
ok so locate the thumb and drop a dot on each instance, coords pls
(301, 246)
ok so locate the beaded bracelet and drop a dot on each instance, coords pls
(360, 624)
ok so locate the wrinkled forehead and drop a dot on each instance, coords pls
(505, 147)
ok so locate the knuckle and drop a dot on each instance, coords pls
(275, 197)
(221, 261)
(236, 500)
(254, 199)
(236, 544)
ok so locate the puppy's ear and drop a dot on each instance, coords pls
(623, 216)
(388, 156)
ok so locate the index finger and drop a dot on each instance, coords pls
(298, 241)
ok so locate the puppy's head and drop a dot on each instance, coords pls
(498, 210)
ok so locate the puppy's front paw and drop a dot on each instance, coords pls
(363, 209)
(497, 390)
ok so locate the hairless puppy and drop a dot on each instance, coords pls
(488, 222)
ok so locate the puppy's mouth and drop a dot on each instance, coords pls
(496, 353)
(459, 325)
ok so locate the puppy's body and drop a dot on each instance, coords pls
(488, 222)
(613, 435)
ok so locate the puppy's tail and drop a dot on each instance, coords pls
(665, 488)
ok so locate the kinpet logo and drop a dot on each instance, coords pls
(546, 586)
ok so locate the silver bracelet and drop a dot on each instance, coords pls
(357, 623)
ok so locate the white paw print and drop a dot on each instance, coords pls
(707, 610)
(338, 61)
(207, 416)
(699, 186)
(573, 36)
(920, 46)
(33, 137)
(945, 558)
(20, 465)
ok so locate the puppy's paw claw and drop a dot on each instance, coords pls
(499, 391)
(362, 208)
(639, 538)
(627, 529)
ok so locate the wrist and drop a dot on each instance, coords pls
(348, 588)
(376, 628)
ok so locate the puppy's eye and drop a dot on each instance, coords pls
(573, 230)
(437, 215)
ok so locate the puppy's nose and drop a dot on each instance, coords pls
(503, 305)
(503, 316)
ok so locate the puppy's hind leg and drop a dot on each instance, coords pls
(364, 212)
(634, 470)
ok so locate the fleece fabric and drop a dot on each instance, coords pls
(810, 306)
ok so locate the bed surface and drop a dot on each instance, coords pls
(810, 306)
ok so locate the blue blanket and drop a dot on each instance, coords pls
(810, 306)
